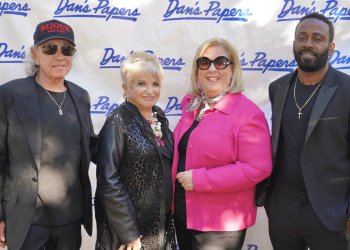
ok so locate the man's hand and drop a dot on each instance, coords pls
(185, 179)
(2, 234)
(135, 245)
(348, 226)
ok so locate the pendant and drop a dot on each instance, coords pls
(60, 112)
(299, 113)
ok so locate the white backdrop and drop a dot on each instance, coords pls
(106, 31)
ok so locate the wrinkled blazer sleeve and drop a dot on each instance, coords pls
(121, 214)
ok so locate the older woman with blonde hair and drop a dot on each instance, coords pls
(133, 196)
(222, 150)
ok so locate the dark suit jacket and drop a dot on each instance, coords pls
(325, 157)
(20, 155)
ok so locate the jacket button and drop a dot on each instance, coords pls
(34, 179)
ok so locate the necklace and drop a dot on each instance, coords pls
(156, 128)
(307, 101)
(58, 105)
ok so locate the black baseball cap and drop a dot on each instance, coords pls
(52, 29)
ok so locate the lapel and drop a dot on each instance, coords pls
(323, 98)
(79, 104)
(279, 100)
(141, 123)
(27, 107)
(28, 111)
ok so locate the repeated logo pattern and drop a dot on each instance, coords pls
(212, 11)
(292, 11)
(14, 8)
(95, 9)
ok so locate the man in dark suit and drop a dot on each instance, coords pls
(308, 202)
(46, 140)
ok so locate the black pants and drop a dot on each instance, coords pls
(65, 237)
(294, 225)
(197, 240)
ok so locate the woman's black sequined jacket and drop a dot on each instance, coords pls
(133, 195)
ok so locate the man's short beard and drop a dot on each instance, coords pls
(307, 65)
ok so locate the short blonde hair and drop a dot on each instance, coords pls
(139, 63)
(236, 84)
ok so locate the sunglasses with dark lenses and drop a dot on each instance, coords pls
(220, 63)
(51, 49)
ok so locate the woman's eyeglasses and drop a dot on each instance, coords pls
(220, 63)
(51, 49)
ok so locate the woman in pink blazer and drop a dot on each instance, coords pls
(222, 150)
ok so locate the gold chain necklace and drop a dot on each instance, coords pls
(307, 101)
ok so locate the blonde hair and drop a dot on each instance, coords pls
(236, 84)
(139, 63)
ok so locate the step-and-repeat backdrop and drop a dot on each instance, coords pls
(107, 31)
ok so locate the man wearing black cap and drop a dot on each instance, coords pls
(46, 143)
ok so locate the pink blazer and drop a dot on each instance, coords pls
(229, 153)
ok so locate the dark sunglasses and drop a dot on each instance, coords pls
(220, 62)
(51, 49)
